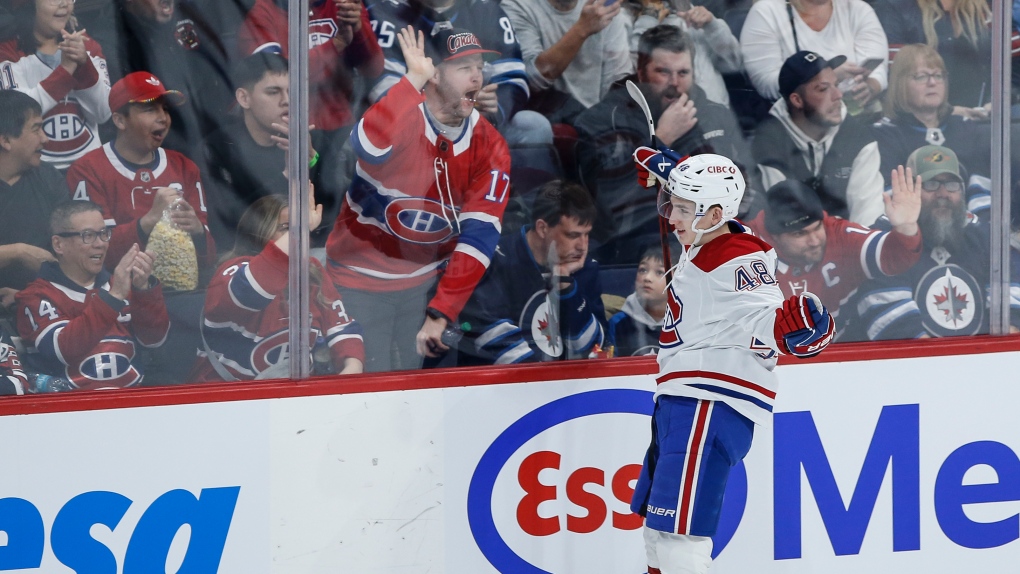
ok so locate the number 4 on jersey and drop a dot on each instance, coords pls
(79, 192)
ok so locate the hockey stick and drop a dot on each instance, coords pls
(637, 96)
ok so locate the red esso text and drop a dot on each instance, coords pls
(721, 169)
(536, 493)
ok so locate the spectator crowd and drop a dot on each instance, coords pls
(473, 196)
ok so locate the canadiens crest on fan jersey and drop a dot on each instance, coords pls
(951, 302)
(66, 131)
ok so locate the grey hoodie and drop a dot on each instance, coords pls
(865, 185)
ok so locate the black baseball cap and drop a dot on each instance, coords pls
(791, 206)
(453, 43)
(799, 68)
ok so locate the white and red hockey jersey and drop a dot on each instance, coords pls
(330, 73)
(125, 195)
(73, 105)
(88, 336)
(246, 318)
(853, 253)
(420, 203)
(717, 341)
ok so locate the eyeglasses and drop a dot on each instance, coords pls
(939, 77)
(57, 3)
(934, 185)
(88, 237)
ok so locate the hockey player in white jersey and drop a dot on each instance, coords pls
(726, 323)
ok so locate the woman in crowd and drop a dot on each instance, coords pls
(918, 113)
(62, 68)
(775, 30)
(245, 327)
(959, 30)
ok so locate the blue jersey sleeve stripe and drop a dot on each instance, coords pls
(365, 149)
(245, 291)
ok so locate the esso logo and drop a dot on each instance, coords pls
(552, 492)
(418, 220)
(721, 169)
(150, 548)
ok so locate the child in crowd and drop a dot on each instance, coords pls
(635, 329)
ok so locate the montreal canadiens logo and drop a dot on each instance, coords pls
(67, 132)
(106, 367)
(951, 301)
(419, 220)
(321, 31)
(271, 351)
(552, 492)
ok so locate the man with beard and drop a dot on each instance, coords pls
(830, 256)
(809, 137)
(541, 299)
(686, 121)
(421, 219)
(944, 293)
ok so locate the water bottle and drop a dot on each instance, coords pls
(41, 383)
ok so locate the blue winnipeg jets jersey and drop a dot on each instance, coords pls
(482, 17)
(514, 317)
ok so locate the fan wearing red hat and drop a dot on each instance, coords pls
(423, 214)
(134, 179)
(61, 68)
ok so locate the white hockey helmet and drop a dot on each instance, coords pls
(706, 179)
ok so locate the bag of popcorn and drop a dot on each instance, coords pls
(176, 264)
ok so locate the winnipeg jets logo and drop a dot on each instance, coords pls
(545, 333)
(950, 301)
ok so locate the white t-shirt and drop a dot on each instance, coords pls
(766, 40)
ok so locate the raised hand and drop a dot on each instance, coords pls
(677, 120)
(697, 17)
(314, 209)
(420, 68)
(903, 202)
(72, 50)
(596, 15)
(349, 12)
(120, 281)
(141, 270)
(160, 201)
(184, 216)
(486, 101)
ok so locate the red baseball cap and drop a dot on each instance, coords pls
(140, 88)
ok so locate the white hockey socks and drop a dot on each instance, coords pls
(677, 553)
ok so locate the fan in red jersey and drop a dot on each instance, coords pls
(245, 327)
(830, 256)
(423, 214)
(84, 321)
(133, 179)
